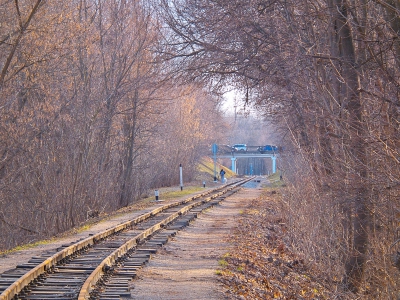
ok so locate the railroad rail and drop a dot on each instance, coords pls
(100, 266)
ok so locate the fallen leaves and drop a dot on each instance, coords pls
(261, 264)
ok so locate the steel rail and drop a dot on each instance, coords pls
(16, 287)
(113, 257)
(114, 284)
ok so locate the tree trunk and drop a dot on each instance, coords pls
(22, 29)
(126, 190)
(392, 8)
(355, 263)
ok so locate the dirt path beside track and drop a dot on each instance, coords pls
(186, 268)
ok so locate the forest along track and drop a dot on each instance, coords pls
(100, 266)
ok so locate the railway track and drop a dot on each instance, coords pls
(101, 266)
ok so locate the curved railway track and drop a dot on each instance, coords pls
(100, 266)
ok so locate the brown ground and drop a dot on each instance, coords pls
(186, 268)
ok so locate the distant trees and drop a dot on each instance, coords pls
(90, 97)
(192, 122)
(327, 73)
(83, 102)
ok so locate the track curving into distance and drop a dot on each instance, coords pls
(100, 266)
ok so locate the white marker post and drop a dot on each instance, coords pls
(180, 176)
(156, 194)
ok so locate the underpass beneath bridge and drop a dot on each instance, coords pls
(250, 162)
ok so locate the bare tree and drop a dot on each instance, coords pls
(317, 68)
(82, 92)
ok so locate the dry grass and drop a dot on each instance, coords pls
(262, 264)
(206, 168)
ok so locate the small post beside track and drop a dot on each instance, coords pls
(180, 176)
(156, 194)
